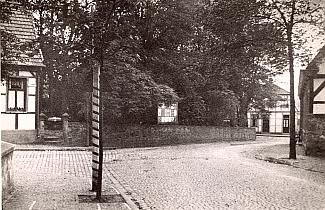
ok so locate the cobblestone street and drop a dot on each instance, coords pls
(199, 176)
(216, 176)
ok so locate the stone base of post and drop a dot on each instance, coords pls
(43, 118)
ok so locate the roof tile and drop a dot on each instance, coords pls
(21, 25)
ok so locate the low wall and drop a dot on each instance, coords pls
(143, 136)
(7, 169)
(77, 134)
(314, 136)
(19, 136)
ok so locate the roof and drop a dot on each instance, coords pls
(313, 65)
(21, 25)
(278, 90)
(311, 69)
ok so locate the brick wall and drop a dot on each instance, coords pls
(314, 135)
(19, 136)
(6, 169)
(142, 136)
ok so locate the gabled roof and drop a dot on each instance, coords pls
(313, 65)
(278, 90)
(311, 69)
(21, 25)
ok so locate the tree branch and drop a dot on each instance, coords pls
(280, 12)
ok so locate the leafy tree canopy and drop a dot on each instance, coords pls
(216, 58)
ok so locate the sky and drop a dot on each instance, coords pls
(283, 80)
(314, 45)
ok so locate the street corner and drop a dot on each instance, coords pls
(276, 159)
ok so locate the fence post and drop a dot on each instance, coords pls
(65, 126)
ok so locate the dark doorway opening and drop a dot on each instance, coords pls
(266, 125)
(285, 124)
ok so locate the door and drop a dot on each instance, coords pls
(285, 124)
(266, 125)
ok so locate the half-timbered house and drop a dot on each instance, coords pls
(312, 105)
(20, 90)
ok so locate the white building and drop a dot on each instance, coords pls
(275, 119)
(167, 114)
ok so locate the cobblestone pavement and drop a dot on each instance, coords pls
(54, 179)
(215, 176)
(198, 176)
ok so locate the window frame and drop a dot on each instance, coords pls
(17, 89)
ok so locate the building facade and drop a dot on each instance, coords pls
(273, 119)
(312, 103)
(20, 90)
(167, 114)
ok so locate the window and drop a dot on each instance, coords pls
(286, 121)
(16, 97)
(254, 120)
(284, 103)
(167, 113)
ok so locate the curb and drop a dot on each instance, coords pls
(123, 192)
(288, 162)
(276, 160)
(244, 143)
(53, 149)
(61, 149)
(272, 135)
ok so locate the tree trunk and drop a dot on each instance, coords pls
(41, 91)
(292, 153)
(242, 113)
(51, 105)
(64, 95)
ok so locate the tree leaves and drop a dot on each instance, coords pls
(215, 57)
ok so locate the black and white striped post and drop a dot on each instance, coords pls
(97, 153)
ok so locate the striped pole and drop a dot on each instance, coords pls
(97, 153)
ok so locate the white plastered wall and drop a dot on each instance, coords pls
(320, 108)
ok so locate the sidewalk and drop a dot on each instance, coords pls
(280, 154)
(50, 177)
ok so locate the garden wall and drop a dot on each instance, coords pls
(19, 136)
(314, 135)
(76, 135)
(7, 151)
(157, 135)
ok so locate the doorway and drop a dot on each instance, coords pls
(266, 125)
(285, 124)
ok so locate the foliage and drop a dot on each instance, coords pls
(239, 51)
(291, 17)
(222, 106)
(216, 58)
(72, 33)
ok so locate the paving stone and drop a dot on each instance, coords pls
(198, 176)
(215, 176)
(54, 179)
